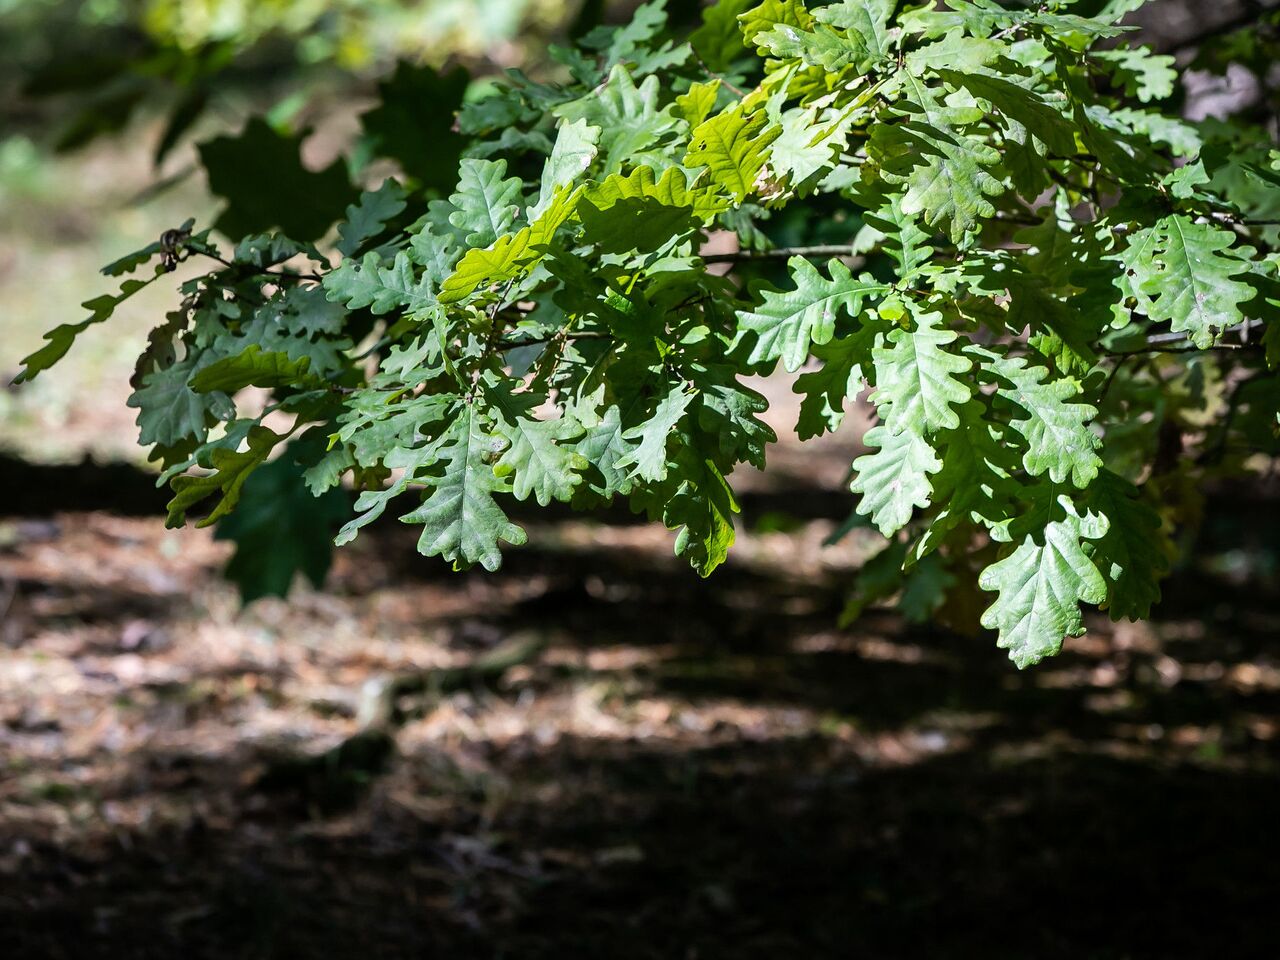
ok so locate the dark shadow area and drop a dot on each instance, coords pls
(701, 769)
(754, 850)
(42, 489)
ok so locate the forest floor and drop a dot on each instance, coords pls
(690, 769)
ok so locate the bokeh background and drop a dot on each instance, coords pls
(594, 753)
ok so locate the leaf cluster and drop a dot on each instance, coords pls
(1040, 276)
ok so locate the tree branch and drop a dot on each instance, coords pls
(503, 345)
(715, 76)
(257, 272)
(1176, 342)
(784, 253)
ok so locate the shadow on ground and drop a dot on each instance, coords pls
(691, 770)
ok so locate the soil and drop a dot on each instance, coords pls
(691, 769)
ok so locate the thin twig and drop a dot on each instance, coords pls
(711, 73)
(231, 264)
(1181, 348)
(540, 341)
(495, 332)
(782, 253)
(378, 345)
(1106, 387)
(1175, 343)
(1085, 189)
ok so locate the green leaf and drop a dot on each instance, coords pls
(702, 509)
(925, 589)
(369, 218)
(879, 578)
(820, 47)
(672, 190)
(170, 411)
(487, 203)
(718, 41)
(1133, 554)
(538, 457)
(414, 122)
(734, 147)
(632, 40)
(280, 530)
(697, 104)
(985, 17)
(575, 148)
(286, 324)
(327, 472)
(1188, 281)
(61, 338)
(461, 521)
(787, 323)
(231, 469)
(918, 378)
(766, 16)
(264, 250)
(253, 368)
(394, 438)
(974, 485)
(1059, 441)
(727, 409)
(634, 213)
(866, 26)
(861, 38)
(808, 145)
(307, 313)
(604, 448)
(381, 289)
(1041, 585)
(893, 480)
(945, 171)
(838, 380)
(1027, 107)
(512, 254)
(631, 124)
(260, 175)
(648, 460)
(902, 238)
(955, 51)
(1141, 73)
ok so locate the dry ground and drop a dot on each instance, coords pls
(690, 769)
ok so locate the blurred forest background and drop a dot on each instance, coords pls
(592, 753)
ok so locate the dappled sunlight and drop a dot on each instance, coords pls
(143, 710)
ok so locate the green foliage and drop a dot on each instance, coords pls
(787, 323)
(1041, 584)
(260, 174)
(280, 529)
(96, 67)
(413, 122)
(1185, 279)
(1045, 278)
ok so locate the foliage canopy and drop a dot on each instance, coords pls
(1062, 298)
